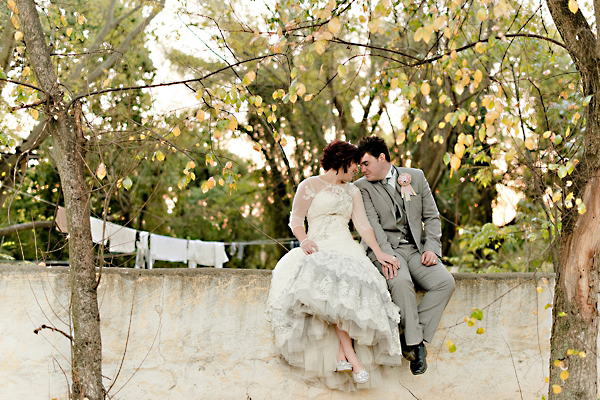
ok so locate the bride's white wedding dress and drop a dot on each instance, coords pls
(336, 285)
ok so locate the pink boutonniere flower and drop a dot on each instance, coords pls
(406, 189)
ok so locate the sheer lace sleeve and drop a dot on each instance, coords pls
(359, 215)
(302, 201)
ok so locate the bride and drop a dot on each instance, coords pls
(327, 294)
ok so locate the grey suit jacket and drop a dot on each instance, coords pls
(421, 210)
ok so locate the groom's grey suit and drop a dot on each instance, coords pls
(407, 229)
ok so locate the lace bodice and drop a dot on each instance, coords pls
(328, 208)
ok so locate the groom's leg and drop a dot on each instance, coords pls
(403, 295)
(438, 284)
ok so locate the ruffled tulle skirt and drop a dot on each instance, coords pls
(337, 285)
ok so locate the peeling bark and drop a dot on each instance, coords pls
(575, 317)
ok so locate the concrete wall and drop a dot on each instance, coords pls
(202, 334)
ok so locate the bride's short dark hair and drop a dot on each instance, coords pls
(339, 154)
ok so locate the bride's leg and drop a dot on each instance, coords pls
(341, 354)
(346, 345)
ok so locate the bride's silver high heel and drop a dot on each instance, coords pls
(361, 377)
(344, 366)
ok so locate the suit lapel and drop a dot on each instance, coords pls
(386, 195)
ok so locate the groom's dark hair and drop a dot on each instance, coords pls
(339, 154)
(374, 146)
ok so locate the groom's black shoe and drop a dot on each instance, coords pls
(419, 365)
(408, 352)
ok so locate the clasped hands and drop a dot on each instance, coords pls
(390, 264)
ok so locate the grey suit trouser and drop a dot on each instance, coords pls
(419, 322)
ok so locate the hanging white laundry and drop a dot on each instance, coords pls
(143, 254)
(210, 254)
(97, 233)
(166, 248)
(122, 239)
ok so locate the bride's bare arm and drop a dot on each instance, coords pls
(389, 262)
(302, 201)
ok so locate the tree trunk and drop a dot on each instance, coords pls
(575, 316)
(68, 154)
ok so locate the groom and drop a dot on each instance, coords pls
(403, 214)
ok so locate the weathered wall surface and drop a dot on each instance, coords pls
(202, 334)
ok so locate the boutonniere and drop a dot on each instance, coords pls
(405, 189)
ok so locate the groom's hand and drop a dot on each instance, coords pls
(429, 258)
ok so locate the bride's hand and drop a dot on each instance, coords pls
(308, 246)
(389, 265)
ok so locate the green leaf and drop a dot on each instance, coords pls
(477, 314)
(127, 183)
(562, 314)
(586, 100)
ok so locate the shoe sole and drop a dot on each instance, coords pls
(419, 373)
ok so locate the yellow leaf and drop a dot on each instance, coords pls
(176, 132)
(478, 76)
(101, 171)
(320, 46)
(480, 331)
(425, 89)
(480, 47)
(482, 14)
(249, 78)
(582, 354)
(564, 375)
(300, 89)
(258, 101)
(334, 25)
(491, 116)
(159, 156)
(401, 138)
(11, 5)
(18, 36)
(573, 6)
(418, 34)
(35, 114)
(308, 97)
(441, 125)
(81, 19)
(233, 124)
(374, 25)
(556, 389)
(210, 183)
(63, 20)
(455, 162)
(190, 165)
(448, 33)
(459, 150)
(471, 120)
(200, 115)
(15, 22)
(529, 143)
(221, 182)
(439, 22)
(362, 19)
(69, 31)
(341, 69)
(394, 83)
(257, 146)
(427, 32)
(25, 72)
(442, 98)
(539, 289)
